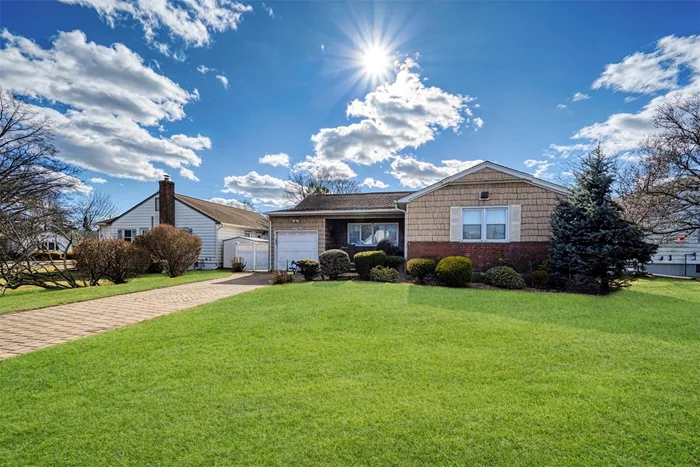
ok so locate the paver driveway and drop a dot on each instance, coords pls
(26, 331)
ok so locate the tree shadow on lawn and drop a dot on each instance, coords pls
(630, 311)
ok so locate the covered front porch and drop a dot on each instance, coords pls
(356, 234)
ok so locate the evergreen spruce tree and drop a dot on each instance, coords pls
(589, 236)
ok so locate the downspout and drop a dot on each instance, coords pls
(405, 230)
(269, 244)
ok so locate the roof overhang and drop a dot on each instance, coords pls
(335, 212)
(485, 165)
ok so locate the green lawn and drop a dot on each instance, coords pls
(30, 298)
(362, 373)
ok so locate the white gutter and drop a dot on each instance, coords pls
(335, 212)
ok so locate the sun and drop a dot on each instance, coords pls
(376, 61)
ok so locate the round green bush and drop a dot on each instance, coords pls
(395, 261)
(366, 260)
(334, 263)
(308, 268)
(387, 247)
(540, 278)
(384, 274)
(504, 277)
(420, 267)
(454, 271)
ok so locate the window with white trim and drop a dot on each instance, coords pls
(247, 234)
(485, 224)
(129, 234)
(369, 234)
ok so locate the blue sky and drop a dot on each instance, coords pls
(402, 93)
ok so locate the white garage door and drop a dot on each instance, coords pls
(291, 246)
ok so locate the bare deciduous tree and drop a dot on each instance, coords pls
(91, 208)
(303, 184)
(33, 184)
(662, 190)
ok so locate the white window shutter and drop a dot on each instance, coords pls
(515, 223)
(455, 224)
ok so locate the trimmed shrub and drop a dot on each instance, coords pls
(366, 260)
(395, 262)
(384, 274)
(420, 267)
(540, 278)
(504, 277)
(454, 271)
(111, 259)
(308, 268)
(387, 247)
(174, 249)
(238, 264)
(281, 277)
(89, 260)
(334, 263)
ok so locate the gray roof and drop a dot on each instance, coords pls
(347, 202)
(226, 214)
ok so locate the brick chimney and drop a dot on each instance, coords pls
(166, 193)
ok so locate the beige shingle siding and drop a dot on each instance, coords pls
(428, 217)
(305, 223)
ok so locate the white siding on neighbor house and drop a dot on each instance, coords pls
(227, 231)
(671, 257)
(144, 216)
(204, 228)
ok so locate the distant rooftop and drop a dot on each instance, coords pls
(347, 202)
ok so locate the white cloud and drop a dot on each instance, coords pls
(397, 115)
(231, 202)
(269, 10)
(275, 160)
(413, 173)
(88, 76)
(223, 79)
(629, 99)
(203, 69)
(197, 142)
(188, 174)
(541, 168)
(193, 21)
(372, 183)
(317, 164)
(478, 122)
(643, 73)
(99, 180)
(565, 151)
(110, 96)
(562, 106)
(579, 96)
(262, 189)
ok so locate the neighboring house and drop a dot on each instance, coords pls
(486, 213)
(680, 257)
(212, 222)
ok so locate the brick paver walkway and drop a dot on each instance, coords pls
(27, 331)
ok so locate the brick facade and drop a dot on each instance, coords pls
(166, 195)
(483, 255)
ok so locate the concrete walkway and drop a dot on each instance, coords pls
(26, 331)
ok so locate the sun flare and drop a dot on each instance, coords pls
(376, 61)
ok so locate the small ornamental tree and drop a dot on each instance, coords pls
(589, 236)
(174, 249)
